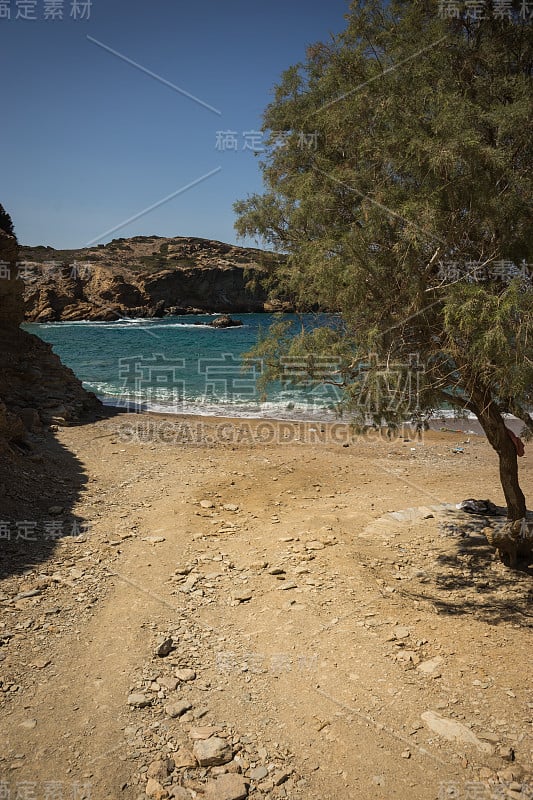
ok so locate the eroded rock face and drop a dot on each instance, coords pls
(11, 299)
(35, 387)
(143, 277)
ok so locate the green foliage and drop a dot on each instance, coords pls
(423, 145)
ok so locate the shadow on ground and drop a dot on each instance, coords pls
(467, 578)
(39, 487)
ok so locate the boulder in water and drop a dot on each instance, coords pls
(225, 321)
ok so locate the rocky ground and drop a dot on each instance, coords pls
(212, 616)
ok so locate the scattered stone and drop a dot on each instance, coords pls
(276, 571)
(54, 511)
(203, 732)
(41, 663)
(155, 790)
(160, 769)
(315, 545)
(138, 700)
(28, 724)
(242, 595)
(507, 753)
(232, 766)
(259, 773)
(281, 777)
(168, 683)
(185, 674)
(189, 584)
(227, 787)
(489, 736)
(153, 539)
(184, 758)
(431, 667)
(164, 647)
(401, 632)
(207, 504)
(230, 507)
(453, 731)
(178, 708)
(287, 585)
(179, 793)
(212, 752)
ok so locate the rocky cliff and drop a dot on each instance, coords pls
(35, 387)
(142, 277)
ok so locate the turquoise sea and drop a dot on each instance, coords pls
(176, 366)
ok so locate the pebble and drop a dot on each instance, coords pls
(315, 545)
(287, 585)
(230, 507)
(212, 752)
(155, 790)
(164, 647)
(189, 584)
(281, 777)
(41, 663)
(185, 674)
(453, 731)
(207, 504)
(258, 773)
(160, 769)
(179, 793)
(431, 667)
(138, 700)
(203, 732)
(507, 753)
(177, 708)
(401, 632)
(184, 758)
(227, 787)
(242, 595)
(153, 539)
(169, 683)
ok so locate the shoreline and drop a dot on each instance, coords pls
(469, 426)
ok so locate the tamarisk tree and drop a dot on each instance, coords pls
(397, 184)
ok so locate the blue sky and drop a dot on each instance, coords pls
(89, 140)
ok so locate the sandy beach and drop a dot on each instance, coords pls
(337, 629)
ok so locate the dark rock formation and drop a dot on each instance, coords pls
(144, 277)
(225, 321)
(35, 387)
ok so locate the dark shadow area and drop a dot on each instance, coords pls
(40, 483)
(38, 490)
(468, 578)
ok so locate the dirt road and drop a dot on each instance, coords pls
(336, 630)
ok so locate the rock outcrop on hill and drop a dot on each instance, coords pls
(143, 277)
(35, 387)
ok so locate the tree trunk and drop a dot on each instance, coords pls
(493, 424)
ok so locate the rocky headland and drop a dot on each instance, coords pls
(144, 277)
(35, 387)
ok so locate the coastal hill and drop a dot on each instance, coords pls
(144, 276)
